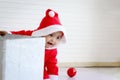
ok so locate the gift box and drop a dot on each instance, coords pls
(21, 57)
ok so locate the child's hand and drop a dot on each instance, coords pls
(3, 33)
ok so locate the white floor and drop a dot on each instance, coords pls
(92, 74)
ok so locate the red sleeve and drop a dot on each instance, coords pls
(22, 32)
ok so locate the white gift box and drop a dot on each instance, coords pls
(21, 58)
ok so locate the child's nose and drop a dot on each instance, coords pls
(53, 39)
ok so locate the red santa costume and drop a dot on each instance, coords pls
(49, 24)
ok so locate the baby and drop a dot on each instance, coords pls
(54, 33)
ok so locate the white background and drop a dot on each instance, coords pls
(93, 26)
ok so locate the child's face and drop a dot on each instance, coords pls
(53, 39)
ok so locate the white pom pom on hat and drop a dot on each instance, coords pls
(49, 24)
(51, 13)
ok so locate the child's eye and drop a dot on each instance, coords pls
(51, 35)
(58, 37)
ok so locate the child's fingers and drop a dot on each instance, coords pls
(3, 33)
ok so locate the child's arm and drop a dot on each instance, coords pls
(22, 32)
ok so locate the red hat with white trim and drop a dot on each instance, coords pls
(50, 24)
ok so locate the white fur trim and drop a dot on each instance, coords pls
(53, 77)
(49, 30)
(9, 32)
(46, 79)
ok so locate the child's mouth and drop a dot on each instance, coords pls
(49, 43)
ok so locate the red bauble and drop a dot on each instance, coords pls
(71, 72)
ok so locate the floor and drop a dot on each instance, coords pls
(91, 74)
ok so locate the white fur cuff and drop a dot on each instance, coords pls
(53, 77)
(46, 79)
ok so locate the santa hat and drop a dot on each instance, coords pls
(50, 24)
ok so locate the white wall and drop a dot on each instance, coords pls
(94, 31)
(93, 26)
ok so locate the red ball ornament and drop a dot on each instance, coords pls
(71, 72)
